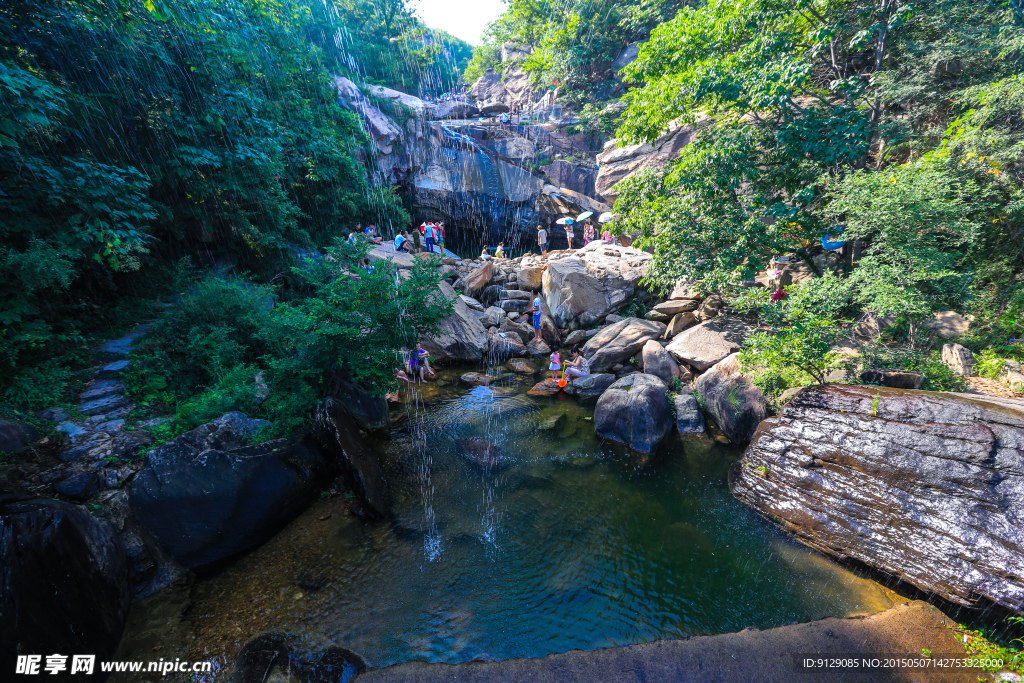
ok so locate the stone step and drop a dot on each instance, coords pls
(123, 346)
(103, 405)
(115, 368)
(101, 388)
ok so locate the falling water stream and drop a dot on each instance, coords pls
(575, 545)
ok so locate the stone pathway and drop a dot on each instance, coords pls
(991, 387)
(102, 445)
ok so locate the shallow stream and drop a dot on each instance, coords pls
(575, 545)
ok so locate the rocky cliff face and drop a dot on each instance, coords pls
(616, 163)
(473, 177)
(925, 486)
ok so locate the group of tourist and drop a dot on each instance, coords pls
(579, 366)
(428, 235)
(370, 234)
(453, 95)
(589, 231)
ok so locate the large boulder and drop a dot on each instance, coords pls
(276, 657)
(619, 342)
(634, 411)
(505, 345)
(708, 343)
(947, 324)
(207, 498)
(732, 400)
(338, 436)
(530, 275)
(921, 485)
(367, 409)
(63, 583)
(591, 387)
(657, 361)
(461, 336)
(583, 286)
(959, 358)
(15, 435)
(473, 284)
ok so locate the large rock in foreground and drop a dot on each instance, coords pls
(339, 438)
(206, 498)
(63, 582)
(732, 400)
(925, 486)
(619, 342)
(461, 337)
(634, 411)
(583, 286)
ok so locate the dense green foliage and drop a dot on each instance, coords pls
(135, 133)
(572, 43)
(272, 352)
(897, 122)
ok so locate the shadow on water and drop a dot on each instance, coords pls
(572, 546)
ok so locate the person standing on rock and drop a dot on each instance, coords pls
(429, 236)
(588, 232)
(542, 240)
(500, 251)
(416, 241)
(556, 364)
(535, 309)
(569, 234)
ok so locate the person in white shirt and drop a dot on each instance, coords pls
(542, 240)
(578, 366)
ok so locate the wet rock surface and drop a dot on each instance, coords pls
(339, 438)
(481, 454)
(63, 582)
(924, 486)
(278, 657)
(689, 416)
(461, 337)
(591, 387)
(206, 498)
(634, 411)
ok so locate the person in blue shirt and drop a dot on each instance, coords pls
(535, 309)
(429, 237)
(401, 242)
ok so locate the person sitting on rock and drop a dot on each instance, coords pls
(500, 251)
(484, 255)
(556, 364)
(535, 309)
(578, 366)
(371, 234)
(418, 363)
(402, 242)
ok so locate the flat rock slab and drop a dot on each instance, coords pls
(101, 388)
(115, 368)
(706, 344)
(548, 387)
(768, 656)
(123, 346)
(102, 405)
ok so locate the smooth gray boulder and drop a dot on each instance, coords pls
(689, 416)
(505, 345)
(634, 411)
(732, 400)
(64, 582)
(959, 359)
(657, 361)
(619, 342)
(461, 337)
(708, 343)
(583, 286)
(925, 486)
(207, 498)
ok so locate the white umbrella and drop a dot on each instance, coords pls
(565, 221)
(585, 215)
(606, 217)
